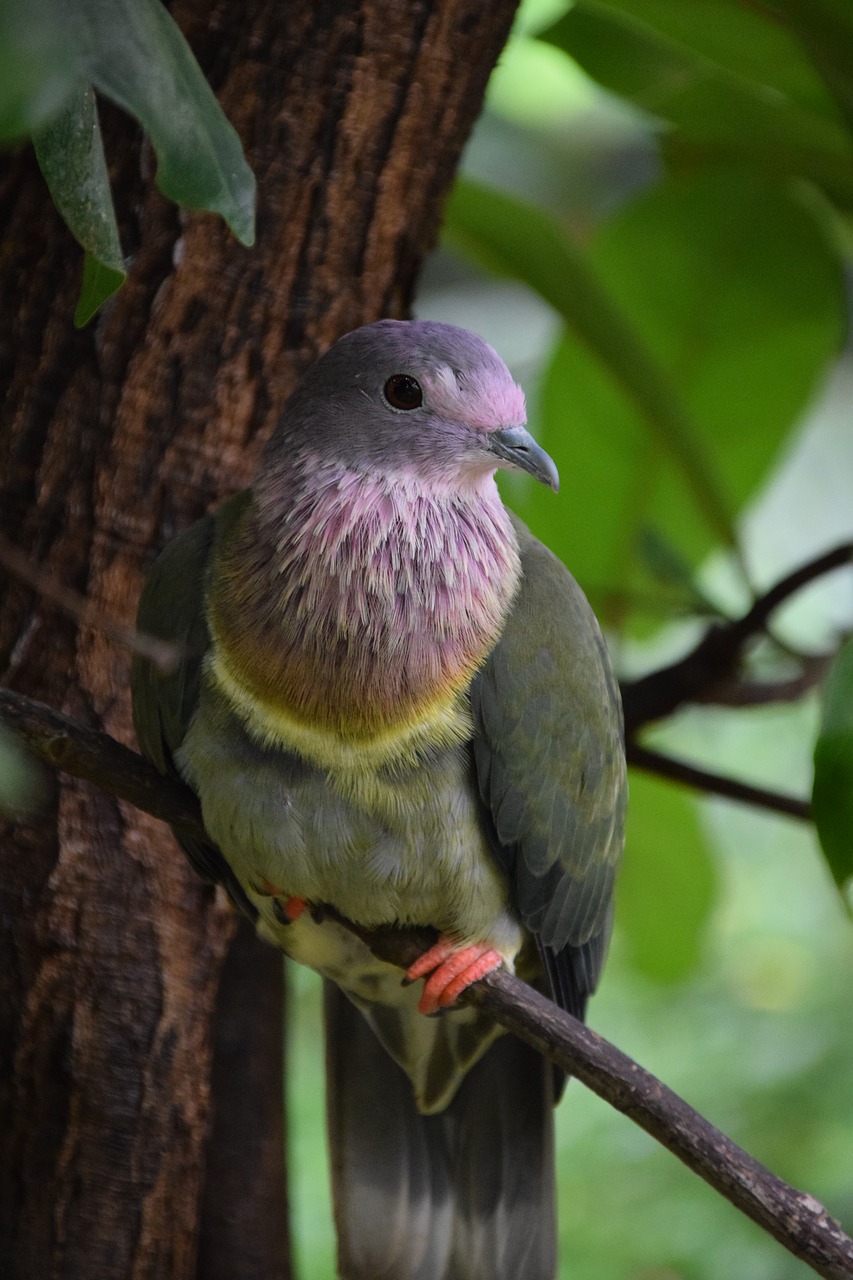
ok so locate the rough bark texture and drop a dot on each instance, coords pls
(353, 116)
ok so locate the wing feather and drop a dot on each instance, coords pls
(172, 607)
(550, 765)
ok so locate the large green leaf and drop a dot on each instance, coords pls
(735, 84)
(726, 35)
(832, 795)
(668, 885)
(71, 156)
(736, 291)
(37, 69)
(825, 28)
(131, 51)
(512, 238)
(136, 55)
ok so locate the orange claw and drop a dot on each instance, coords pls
(451, 969)
(286, 910)
(293, 908)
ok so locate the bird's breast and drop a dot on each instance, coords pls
(358, 626)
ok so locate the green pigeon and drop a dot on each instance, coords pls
(394, 701)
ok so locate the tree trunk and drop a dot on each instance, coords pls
(111, 950)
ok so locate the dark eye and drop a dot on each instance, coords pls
(403, 392)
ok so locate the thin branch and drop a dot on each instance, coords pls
(694, 677)
(163, 654)
(753, 621)
(745, 692)
(794, 1218)
(690, 775)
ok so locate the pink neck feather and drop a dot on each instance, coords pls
(367, 596)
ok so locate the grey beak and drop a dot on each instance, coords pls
(516, 448)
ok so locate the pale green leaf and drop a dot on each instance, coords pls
(739, 296)
(136, 55)
(131, 51)
(100, 282)
(71, 156)
(735, 84)
(512, 238)
(38, 70)
(668, 885)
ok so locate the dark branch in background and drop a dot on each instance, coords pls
(714, 660)
(709, 673)
(795, 1219)
(690, 775)
(744, 691)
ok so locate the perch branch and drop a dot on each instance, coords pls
(65, 744)
(794, 1218)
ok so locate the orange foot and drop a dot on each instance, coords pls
(287, 910)
(451, 969)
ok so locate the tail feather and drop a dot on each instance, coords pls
(467, 1194)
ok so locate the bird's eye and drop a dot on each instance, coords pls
(403, 392)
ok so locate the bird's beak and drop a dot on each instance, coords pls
(516, 448)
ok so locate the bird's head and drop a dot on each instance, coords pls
(411, 399)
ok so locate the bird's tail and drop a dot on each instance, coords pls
(467, 1194)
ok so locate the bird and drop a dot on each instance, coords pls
(396, 708)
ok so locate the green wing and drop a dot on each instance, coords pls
(172, 607)
(551, 768)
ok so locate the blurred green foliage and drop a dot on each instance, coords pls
(53, 54)
(22, 782)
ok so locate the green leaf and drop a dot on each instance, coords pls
(71, 156)
(825, 28)
(21, 779)
(515, 239)
(735, 84)
(668, 883)
(669, 568)
(100, 282)
(714, 36)
(737, 293)
(832, 794)
(38, 71)
(132, 51)
(136, 55)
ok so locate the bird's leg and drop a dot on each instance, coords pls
(451, 969)
(286, 907)
(291, 908)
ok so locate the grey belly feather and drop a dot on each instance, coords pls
(401, 846)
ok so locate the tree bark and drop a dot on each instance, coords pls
(111, 951)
